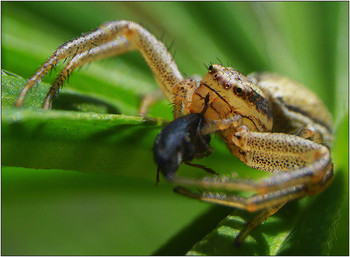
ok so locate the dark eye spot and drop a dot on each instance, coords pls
(215, 76)
(238, 90)
(210, 67)
(227, 86)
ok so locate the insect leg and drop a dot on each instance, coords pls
(202, 167)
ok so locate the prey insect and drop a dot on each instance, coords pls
(181, 141)
(270, 122)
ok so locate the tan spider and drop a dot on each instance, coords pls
(269, 122)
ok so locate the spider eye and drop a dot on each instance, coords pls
(227, 86)
(210, 68)
(238, 90)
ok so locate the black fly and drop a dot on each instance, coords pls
(181, 141)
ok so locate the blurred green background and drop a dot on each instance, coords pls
(114, 207)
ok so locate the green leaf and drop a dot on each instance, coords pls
(93, 129)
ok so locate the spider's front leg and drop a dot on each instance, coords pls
(304, 168)
(112, 38)
(298, 161)
(182, 96)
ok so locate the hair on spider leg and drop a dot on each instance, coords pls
(219, 61)
(144, 25)
(36, 86)
(161, 38)
(67, 79)
(166, 43)
(171, 45)
(207, 65)
(84, 34)
(160, 35)
(51, 68)
(172, 54)
(87, 65)
(171, 105)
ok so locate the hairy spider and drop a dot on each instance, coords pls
(269, 122)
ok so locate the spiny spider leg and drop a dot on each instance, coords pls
(183, 92)
(268, 203)
(314, 159)
(251, 204)
(119, 46)
(67, 50)
(228, 183)
(154, 52)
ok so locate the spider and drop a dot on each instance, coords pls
(271, 123)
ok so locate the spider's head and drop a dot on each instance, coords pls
(243, 96)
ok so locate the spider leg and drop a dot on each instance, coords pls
(258, 219)
(148, 100)
(311, 161)
(254, 203)
(278, 181)
(119, 46)
(183, 92)
(298, 160)
(181, 100)
(154, 52)
(310, 133)
(268, 203)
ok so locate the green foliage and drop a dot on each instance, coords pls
(111, 207)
